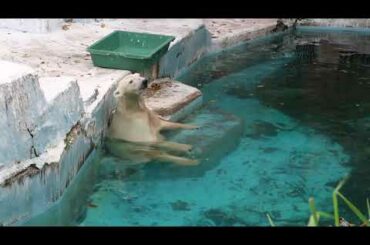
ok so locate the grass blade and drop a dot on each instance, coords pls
(336, 210)
(326, 215)
(311, 221)
(368, 207)
(335, 201)
(313, 211)
(270, 220)
(354, 209)
(340, 185)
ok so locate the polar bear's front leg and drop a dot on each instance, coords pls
(172, 159)
(174, 125)
(174, 146)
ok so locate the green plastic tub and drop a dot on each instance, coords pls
(129, 50)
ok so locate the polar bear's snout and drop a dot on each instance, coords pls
(144, 84)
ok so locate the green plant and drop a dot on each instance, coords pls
(270, 220)
(315, 215)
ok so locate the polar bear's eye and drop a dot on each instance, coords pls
(130, 81)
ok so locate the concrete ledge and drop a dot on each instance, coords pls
(230, 32)
(353, 23)
(170, 98)
(32, 25)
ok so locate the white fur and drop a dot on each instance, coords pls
(134, 122)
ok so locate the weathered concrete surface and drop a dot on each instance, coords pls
(229, 32)
(21, 104)
(32, 186)
(334, 47)
(185, 52)
(38, 114)
(354, 23)
(172, 99)
(32, 25)
(63, 52)
(65, 108)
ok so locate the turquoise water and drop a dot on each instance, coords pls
(285, 118)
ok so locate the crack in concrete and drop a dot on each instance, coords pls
(92, 98)
(33, 151)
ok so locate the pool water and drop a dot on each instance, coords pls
(285, 118)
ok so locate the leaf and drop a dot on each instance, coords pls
(270, 220)
(368, 207)
(313, 211)
(311, 221)
(326, 215)
(340, 185)
(336, 210)
(335, 201)
(354, 209)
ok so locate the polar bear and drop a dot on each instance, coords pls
(134, 131)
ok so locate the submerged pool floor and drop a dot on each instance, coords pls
(304, 105)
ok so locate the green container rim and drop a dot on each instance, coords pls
(92, 50)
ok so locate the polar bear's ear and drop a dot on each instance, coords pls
(126, 78)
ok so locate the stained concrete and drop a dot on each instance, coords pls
(32, 25)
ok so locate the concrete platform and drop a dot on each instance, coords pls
(351, 23)
(32, 25)
(171, 99)
(229, 32)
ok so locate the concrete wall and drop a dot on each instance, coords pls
(21, 104)
(35, 116)
(41, 181)
(184, 53)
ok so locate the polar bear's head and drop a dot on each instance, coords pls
(131, 84)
